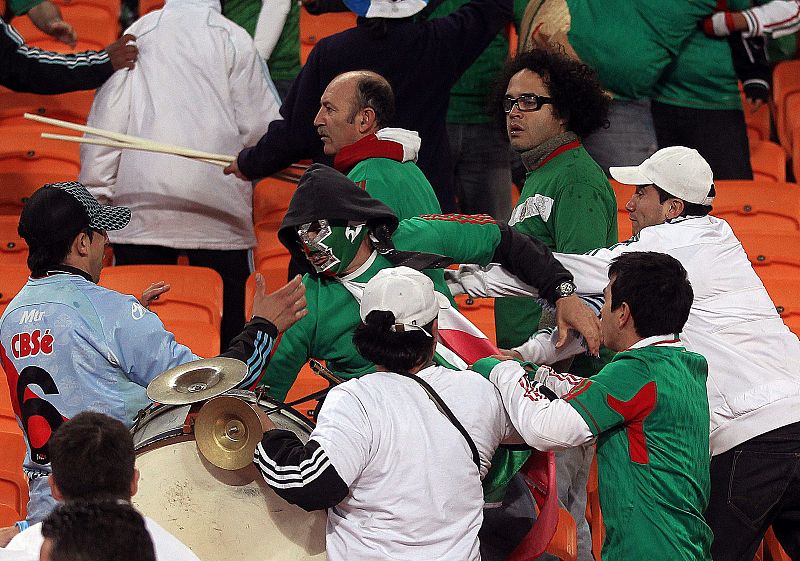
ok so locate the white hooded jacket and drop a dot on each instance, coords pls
(198, 83)
(753, 359)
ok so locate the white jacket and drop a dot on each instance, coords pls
(198, 83)
(753, 358)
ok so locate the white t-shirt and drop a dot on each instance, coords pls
(167, 546)
(415, 492)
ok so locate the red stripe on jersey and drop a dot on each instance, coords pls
(635, 411)
(12, 377)
(461, 218)
(560, 150)
(578, 390)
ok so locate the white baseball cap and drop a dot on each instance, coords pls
(408, 294)
(682, 172)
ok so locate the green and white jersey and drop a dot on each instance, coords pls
(568, 204)
(648, 410)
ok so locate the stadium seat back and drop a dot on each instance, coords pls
(195, 292)
(13, 277)
(13, 248)
(757, 122)
(785, 81)
(73, 107)
(773, 254)
(314, 28)
(13, 486)
(94, 25)
(147, 6)
(758, 206)
(623, 193)
(768, 161)
(28, 161)
(200, 336)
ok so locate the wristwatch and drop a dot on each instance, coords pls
(566, 288)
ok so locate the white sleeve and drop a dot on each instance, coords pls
(344, 431)
(775, 19)
(270, 24)
(255, 99)
(110, 111)
(541, 347)
(560, 383)
(544, 424)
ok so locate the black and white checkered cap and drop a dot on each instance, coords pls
(101, 217)
(60, 210)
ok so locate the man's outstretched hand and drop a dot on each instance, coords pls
(233, 168)
(284, 306)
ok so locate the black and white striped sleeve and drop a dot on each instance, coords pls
(27, 69)
(301, 474)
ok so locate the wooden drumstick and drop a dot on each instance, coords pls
(117, 144)
(130, 140)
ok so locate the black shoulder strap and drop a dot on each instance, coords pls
(442, 406)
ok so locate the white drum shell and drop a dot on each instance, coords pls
(221, 515)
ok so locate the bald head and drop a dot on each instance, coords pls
(354, 105)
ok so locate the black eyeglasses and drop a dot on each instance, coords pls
(526, 102)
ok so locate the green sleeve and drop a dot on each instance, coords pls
(292, 350)
(463, 238)
(21, 7)
(621, 393)
(582, 221)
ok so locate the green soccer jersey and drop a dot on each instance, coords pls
(568, 203)
(399, 185)
(649, 411)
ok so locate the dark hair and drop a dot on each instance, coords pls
(92, 457)
(43, 257)
(656, 288)
(577, 94)
(395, 351)
(373, 90)
(689, 209)
(98, 531)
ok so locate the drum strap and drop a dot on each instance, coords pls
(445, 410)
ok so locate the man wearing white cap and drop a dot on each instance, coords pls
(753, 359)
(398, 455)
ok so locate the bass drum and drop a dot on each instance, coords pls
(221, 515)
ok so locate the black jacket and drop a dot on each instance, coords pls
(421, 60)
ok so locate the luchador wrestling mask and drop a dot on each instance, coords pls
(331, 247)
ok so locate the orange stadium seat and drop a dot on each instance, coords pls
(74, 107)
(13, 487)
(624, 194)
(95, 27)
(195, 294)
(796, 155)
(28, 161)
(773, 254)
(13, 248)
(271, 198)
(111, 7)
(773, 548)
(757, 122)
(758, 206)
(783, 291)
(785, 82)
(8, 515)
(13, 277)
(564, 544)
(314, 28)
(147, 6)
(480, 311)
(768, 161)
(593, 514)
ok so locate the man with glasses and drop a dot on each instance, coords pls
(549, 103)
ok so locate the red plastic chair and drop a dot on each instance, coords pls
(768, 161)
(758, 206)
(539, 474)
(13, 248)
(624, 194)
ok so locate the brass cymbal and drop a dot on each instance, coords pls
(197, 380)
(227, 431)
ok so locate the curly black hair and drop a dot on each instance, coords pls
(577, 94)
